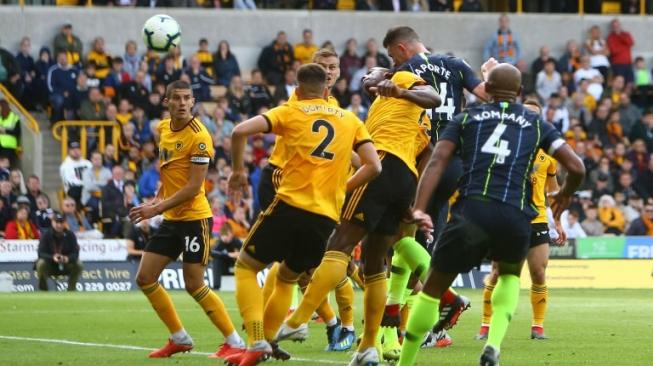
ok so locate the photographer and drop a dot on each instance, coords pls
(58, 254)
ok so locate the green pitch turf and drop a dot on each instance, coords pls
(586, 327)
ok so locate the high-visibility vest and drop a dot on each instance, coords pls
(9, 141)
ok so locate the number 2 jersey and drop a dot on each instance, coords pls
(499, 143)
(318, 139)
(449, 75)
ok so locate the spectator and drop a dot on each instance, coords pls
(540, 62)
(586, 72)
(611, 217)
(629, 113)
(225, 126)
(135, 90)
(225, 65)
(644, 130)
(92, 80)
(258, 92)
(598, 50)
(570, 61)
(77, 222)
(224, 254)
(18, 187)
(69, 44)
(72, 170)
(142, 132)
(356, 106)
(631, 207)
(642, 73)
(149, 181)
(93, 108)
(504, 46)
(591, 225)
(350, 62)
(153, 108)
(61, 81)
(276, 58)
(283, 91)
(99, 57)
(239, 101)
(7, 195)
(200, 81)
(238, 223)
(93, 180)
(206, 58)
(625, 185)
(33, 191)
(132, 62)
(43, 213)
(620, 44)
(113, 199)
(617, 87)
(355, 83)
(27, 74)
(471, 6)
(372, 50)
(22, 228)
(341, 92)
(644, 182)
(116, 78)
(548, 80)
(570, 225)
(644, 224)
(42, 67)
(304, 51)
(168, 73)
(137, 238)
(10, 133)
(58, 254)
(217, 205)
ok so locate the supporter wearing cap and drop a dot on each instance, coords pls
(58, 254)
(72, 172)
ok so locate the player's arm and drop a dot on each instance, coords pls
(564, 154)
(370, 166)
(258, 124)
(355, 160)
(423, 159)
(424, 96)
(551, 187)
(479, 88)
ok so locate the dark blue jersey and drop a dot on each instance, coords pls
(498, 143)
(448, 75)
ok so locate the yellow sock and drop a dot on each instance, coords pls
(487, 304)
(270, 280)
(356, 277)
(214, 309)
(374, 301)
(345, 300)
(249, 297)
(539, 302)
(325, 278)
(277, 308)
(162, 304)
(324, 310)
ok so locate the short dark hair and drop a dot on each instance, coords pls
(324, 53)
(400, 33)
(177, 85)
(203, 40)
(311, 77)
(639, 58)
(533, 102)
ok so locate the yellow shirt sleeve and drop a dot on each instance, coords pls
(406, 79)
(553, 167)
(202, 150)
(362, 136)
(274, 118)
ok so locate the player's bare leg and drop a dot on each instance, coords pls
(538, 259)
(147, 278)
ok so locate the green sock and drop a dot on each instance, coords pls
(422, 318)
(504, 302)
(414, 255)
(399, 276)
(390, 338)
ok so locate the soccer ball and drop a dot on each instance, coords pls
(161, 33)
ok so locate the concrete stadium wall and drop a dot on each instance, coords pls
(247, 32)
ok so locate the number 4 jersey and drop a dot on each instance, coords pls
(498, 144)
(319, 139)
(449, 75)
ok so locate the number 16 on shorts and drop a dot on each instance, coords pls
(192, 245)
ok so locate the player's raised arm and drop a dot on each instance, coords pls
(254, 125)
(479, 90)
(370, 165)
(424, 96)
(575, 175)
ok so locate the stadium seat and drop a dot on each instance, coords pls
(611, 7)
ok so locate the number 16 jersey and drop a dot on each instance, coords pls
(319, 139)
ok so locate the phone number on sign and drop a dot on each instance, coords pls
(98, 286)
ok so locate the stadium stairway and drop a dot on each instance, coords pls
(51, 180)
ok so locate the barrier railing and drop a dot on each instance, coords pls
(87, 130)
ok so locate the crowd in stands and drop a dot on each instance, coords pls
(596, 93)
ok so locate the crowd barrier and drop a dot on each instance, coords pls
(608, 262)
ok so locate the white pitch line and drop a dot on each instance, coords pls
(137, 348)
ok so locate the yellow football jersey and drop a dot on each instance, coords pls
(394, 123)
(319, 139)
(423, 136)
(178, 149)
(278, 157)
(543, 167)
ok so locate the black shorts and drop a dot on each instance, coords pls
(438, 207)
(284, 233)
(478, 229)
(539, 234)
(193, 238)
(380, 205)
(268, 185)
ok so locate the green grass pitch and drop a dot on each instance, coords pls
(586, 327)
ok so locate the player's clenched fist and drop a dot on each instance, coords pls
(237, 181)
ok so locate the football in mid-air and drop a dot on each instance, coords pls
(161, 33)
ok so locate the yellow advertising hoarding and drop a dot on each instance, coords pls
(598, 273)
